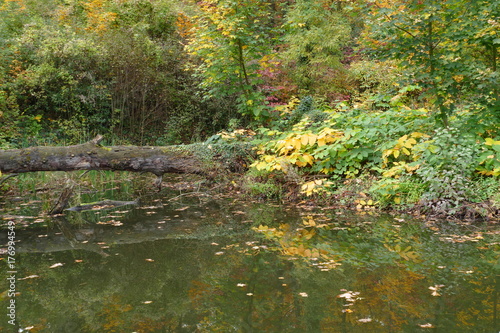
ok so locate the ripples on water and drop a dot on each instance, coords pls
(198, 264)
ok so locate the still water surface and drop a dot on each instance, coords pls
(199, 264)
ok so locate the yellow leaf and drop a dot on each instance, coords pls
(304, 139)
(417, 135)
(396, 153)
(405, 151)
(297, 144)
(397, 200)
(410, 142)
(491, 142)
(261, 165)
(308, 159)
(300, 164)
(312, 139)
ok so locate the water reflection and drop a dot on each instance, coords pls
(198, 265)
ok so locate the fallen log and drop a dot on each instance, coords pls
(194, 159)
(101, 205)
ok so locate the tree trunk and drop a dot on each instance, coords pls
(196, 159)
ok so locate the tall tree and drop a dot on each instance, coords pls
(229, 38)
(316, 31)
(449, 47)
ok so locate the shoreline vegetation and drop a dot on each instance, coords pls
(366, 105)
(349, 195)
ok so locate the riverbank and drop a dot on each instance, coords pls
(352, 194)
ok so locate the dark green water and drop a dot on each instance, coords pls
(196, 264)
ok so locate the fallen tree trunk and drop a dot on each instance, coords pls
(194, 159)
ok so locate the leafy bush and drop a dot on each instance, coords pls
(489, 159)
(340, 142)
(263, 184)
(447, 165)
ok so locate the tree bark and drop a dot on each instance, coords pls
(195, 159)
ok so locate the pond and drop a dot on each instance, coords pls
(194, 263)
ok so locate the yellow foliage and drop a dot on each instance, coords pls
(99, 20)
(20, 4)
(314, 186)
(403, 147)
(288, 108)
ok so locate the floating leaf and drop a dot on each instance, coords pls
(56, 265)
(365, 320)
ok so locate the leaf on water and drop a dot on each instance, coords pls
(78, 260)
(349, 296)
(250, 294)
(435, 289)
(241, 285)
(365, 320)
(29, 277)
(147, 302)
(56, 265)
(304, 294)
(150, 260)
(182, 209)
(428, 325)
(219, 253)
